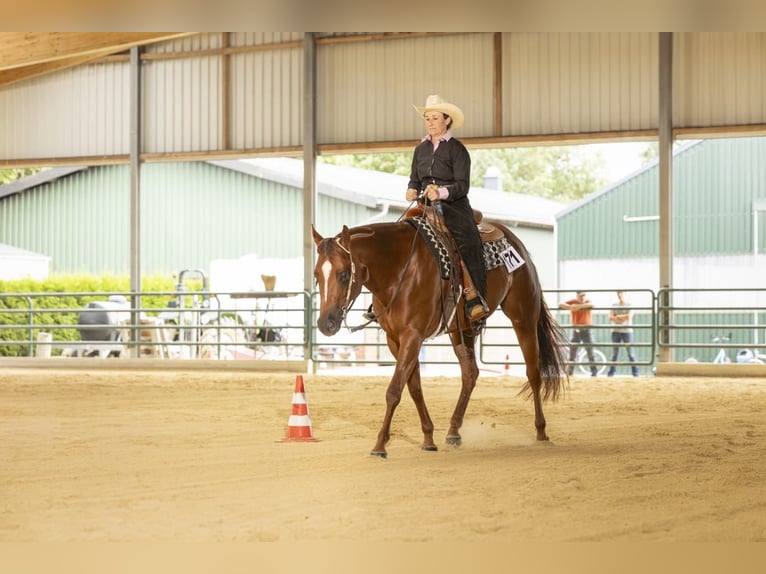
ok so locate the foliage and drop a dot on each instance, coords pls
(561, 173)
(63, 296)
(9, 175)
(651, 153)
(398, 163)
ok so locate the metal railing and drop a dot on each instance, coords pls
(712, 325)
(187, 325)
(691, 324)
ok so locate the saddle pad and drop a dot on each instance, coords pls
(501, 252)
(438, 250)
(496, 253)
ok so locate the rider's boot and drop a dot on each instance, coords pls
(475, 309)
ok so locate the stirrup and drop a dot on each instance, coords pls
(475, 310)
(369, 315)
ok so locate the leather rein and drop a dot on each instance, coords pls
(349, 301)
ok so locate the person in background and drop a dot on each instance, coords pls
(580, 309)
(441, 170)
(622, 333)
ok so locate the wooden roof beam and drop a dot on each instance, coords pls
(25, 55)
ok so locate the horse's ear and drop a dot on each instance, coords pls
(345, 236)
(317, 238)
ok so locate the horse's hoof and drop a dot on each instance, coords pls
(430, 447)
(379, 454)
(454, 440)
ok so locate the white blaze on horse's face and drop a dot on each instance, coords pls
(326, 270)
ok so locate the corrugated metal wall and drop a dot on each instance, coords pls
(367, 90)
(579, 82)
(192, 213)
(200, 95)
(182, 102)
(80, 111)
(715, 184)
(80, 221)
(719, 78)
(267, 95)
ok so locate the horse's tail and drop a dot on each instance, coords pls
(551, 342)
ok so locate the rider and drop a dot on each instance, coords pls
(441, 170)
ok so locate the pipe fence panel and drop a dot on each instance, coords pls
(166, 325)
(696, 325)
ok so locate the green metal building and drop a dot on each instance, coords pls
(610, 239)
(194, 214)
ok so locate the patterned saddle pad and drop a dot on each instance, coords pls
(496, 252)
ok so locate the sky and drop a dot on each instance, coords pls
(622, 158)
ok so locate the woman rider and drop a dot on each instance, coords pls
(441, 170)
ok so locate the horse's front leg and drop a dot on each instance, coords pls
(426, 424)
(406, 368)
(469, 373)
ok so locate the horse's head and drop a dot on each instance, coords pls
(339, 276)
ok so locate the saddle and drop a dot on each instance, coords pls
(446, 252)
(487, 231)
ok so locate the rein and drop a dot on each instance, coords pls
(349, 302)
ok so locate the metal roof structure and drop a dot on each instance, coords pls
(9, 251)
(231, 95)
(68, 98)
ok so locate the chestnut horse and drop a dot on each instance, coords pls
(409, 294)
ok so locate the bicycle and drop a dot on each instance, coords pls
(751, 356)
(721, 356)
(583, 363)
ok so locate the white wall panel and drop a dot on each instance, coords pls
(78, 112)
(579, 82)
(719, 79)
(204, 41)
(239, 39)
(181, 105)
(367, 89)
(267, 97)
(551, 84)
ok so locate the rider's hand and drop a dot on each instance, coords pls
(412, 194)
(431, 192)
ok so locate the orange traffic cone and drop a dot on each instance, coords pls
(299, 423)
(507, 365)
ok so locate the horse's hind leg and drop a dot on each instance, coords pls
(469, 373)
(525, 325)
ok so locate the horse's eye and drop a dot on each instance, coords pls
(343, 276)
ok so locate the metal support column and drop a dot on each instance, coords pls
(135, 195)
(665, 124)
(309, 172)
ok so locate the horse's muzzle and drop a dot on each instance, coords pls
(330, 323)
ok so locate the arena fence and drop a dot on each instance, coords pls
(272, 329)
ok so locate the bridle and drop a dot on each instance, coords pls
(349, 301)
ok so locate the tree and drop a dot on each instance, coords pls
(652, 151)
(560, 173)
(555, 172)
(9, 175)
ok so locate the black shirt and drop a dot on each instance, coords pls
(449, 166)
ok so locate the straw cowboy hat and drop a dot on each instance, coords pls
(437, 104)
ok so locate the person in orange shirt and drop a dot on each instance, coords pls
(580, 308)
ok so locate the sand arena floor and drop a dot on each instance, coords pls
(195, 456)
